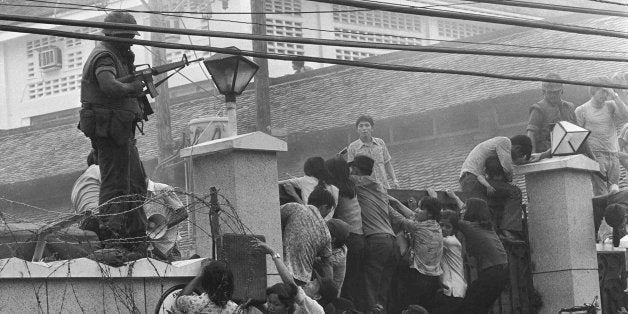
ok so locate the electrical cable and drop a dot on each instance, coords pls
(178, 72)
(236, 13)
(476, 17)
(315, 41)
(609, 2)
(553, 7)
(365, 64)
(443, 13)
(376, 34)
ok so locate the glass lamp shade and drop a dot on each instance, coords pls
(230, 73)
(567, 138)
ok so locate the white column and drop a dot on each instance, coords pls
(561, 231)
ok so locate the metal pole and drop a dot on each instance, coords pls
(261, 77)
(231, 114)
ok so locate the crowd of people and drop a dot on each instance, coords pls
(347, 244)
(373, 252)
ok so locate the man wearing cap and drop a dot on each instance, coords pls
(110, 111)
(601, 115)
(547, 112)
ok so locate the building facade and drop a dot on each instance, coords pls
(42, 74)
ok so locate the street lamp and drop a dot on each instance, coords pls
(231, 74)
(567, 138)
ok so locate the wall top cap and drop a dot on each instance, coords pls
(251, 141)
(575, 162)
(87, 268)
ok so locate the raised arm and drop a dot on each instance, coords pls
(455, 197)
(400, 208)
(192, 285)
(283, 271)
(620, 107)
(290, 185)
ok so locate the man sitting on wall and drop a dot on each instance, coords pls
(163, 208)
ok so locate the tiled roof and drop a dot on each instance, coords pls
(332, 97)
(435, 163)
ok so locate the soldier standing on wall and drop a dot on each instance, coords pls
(111, 110)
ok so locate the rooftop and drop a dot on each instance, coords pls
(331, 97)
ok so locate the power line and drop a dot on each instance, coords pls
(609, 2)
(313, 41)
(370, 33)
(226, 13)
(554, 7)
(364, 64)
(76, 5)
(476, 17)
(435, 8)
(480, 15)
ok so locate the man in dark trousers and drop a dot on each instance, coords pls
(110, 112)
(612, 208)
(379, 259)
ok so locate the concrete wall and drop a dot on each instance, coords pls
(85, 286)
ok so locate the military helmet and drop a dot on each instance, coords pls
(552, 86)
(120, 17)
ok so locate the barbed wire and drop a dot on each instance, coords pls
(122, 291)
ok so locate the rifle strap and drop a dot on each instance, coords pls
(140, 128)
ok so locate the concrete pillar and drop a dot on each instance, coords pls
(244, 170)
(560, 224)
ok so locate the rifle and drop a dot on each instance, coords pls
(147, 73)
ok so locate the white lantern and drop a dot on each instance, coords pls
(567, 138)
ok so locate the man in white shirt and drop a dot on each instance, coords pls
(601, 115)
(374, 148)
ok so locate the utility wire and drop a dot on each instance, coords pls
(370, 33)
(554, 7)
(515, 18)
(365, 64)
(433, 7)
(609, 2)
(231, 13)
(313, 41)
(476, 17)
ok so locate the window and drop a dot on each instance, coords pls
(54, 86)
(378, 19)
(74, 60)
(278, 27)
(283, 6)
(177, 55)
(451, 29)
(34, 46)
(172, 22)
(356, 35)
(30, 70)
(50, 58)
(343, 54)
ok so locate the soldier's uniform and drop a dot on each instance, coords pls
(110, 121)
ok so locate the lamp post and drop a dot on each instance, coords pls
(567, 138)
(231, 74)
